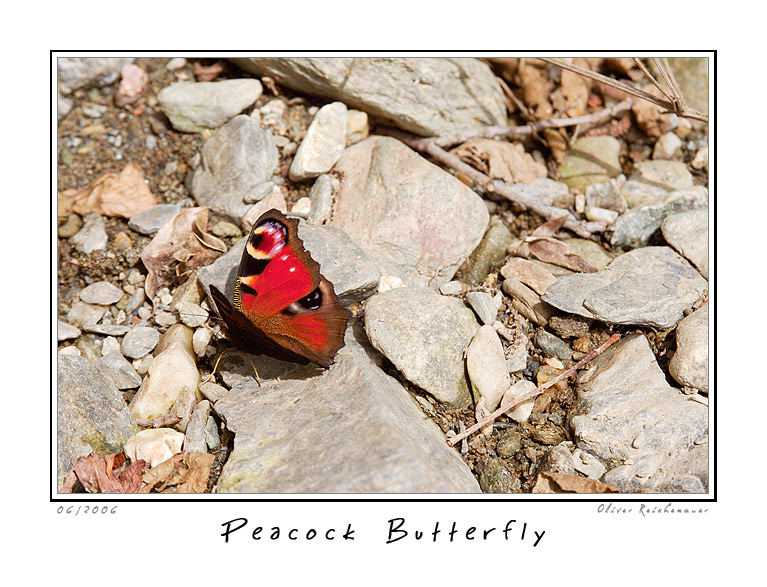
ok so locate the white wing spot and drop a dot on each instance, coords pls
(292, 269)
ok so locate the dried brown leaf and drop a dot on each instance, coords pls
(550, 227)
(110, 195)
(648, 115)
(535, 89)
(182, 473)
(558, 253)
(501, 160)
(99, 474)
(528, 273)
(576, 89)
(179, 247)
(560, 483)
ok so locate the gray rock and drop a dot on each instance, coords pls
(191, 314)
(116, 368)
(607, 195)
(451, 288)
(67, 331)
(669, 175)
(485, 305)
(591, 160)
(628, 416)
(195, 106)
(236, 160)
(353, 275)
(107, 329)
(486, 366)
(153, 219)
(139, 342)
(110, 345)
(687, 232)
(348, 429)
(323, 144)
(558, 459)
(83, 314)
(666, 146)
(183, 407)
(587, 464)
(92, 236)
(569, 326)
(552, 346)
(491, 249)
(92, 415)
(497, 478)
(430, 97)
(195, 430)
(387, 203)
(510, 443)
(638, 193)
(212, 437)
(400, 324)
(636, 226)
(545, 190)
(689, 365)
(321, 196)
(101, 292)
(85, 72)
(648, 287)
(212, 391)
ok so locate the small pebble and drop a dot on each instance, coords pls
(139, 341)
(223, 229)
(163, 318)
(83, 313)
(71, 227)
(110, 345)
(212, 438)
(66, 331)
(101, 292)
(451, 288)
(175, 63)
(200, 340)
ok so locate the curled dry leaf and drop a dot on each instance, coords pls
(501, 160)
(178, 247)
(182, 473)
(560, 483)
(576, 88)
(99, 474)
(535, 89)
(110, 195)
(132, 86)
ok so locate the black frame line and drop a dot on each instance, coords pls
(459, 497)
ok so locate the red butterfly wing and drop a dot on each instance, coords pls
(281, 301)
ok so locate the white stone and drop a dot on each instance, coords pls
(689, 365)
(666, 146)
(301, 207)
(200, 341)
(390, 282)
(323, 144)
(486, 366)
(522, 412)
(155, 445)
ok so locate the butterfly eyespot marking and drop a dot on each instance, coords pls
(306, 304)
(267, 240)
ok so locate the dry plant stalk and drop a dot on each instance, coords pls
(537, 391)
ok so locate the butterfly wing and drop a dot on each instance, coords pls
(281, 301)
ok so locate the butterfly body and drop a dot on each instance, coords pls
(282, 306)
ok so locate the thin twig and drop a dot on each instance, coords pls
(537, 391)
(492, 132)
(670, 105)
(650, 76)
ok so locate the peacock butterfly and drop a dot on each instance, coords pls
(282, 306)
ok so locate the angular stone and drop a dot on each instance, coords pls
(687, 232)
(92, 415)
(552, 346)
(528, 273)
(689, 365)
(67, 331)
(155, 445)
(348, 429)
(669, 175)
(629, 416)
(119, 371)
(649, 287)
(635, 227)
(195, 430)
(236, 160)
(387, 204)
(92, 236)
(428, 352)
(527, 302)
(490, 250)
(83, 314)
(485, 305)
(153, 219)
(195, 106)
(323, 144)
(430, 97)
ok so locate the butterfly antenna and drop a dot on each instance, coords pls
(258, 379)
(215, 367)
